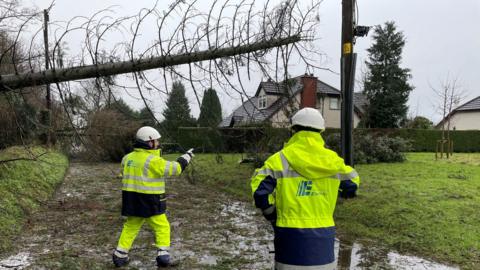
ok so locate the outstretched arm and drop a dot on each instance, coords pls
(175, 168)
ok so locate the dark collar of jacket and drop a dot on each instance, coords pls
(155, 152)
(141, 146)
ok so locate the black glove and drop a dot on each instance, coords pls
(348, 189)
(270, 214)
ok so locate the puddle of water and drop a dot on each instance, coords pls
(237, 232)
(349, 256)
(18, 261)
(412, 262)
(239, 214)
(208, 260)
(357, 256)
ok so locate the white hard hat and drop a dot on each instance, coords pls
(308, 117)
(147, 133)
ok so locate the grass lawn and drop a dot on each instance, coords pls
(24, 185)
(423, 207)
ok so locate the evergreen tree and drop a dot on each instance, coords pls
(210, 116)
(419, 122)
(177, 112)
(146, 117)
(210, 110)
(122, 107)
(386, 83)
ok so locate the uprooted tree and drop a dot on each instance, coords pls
(222, 46)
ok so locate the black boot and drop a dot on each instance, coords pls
(120, 258)
(163, 258)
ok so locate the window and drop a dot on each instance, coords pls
(262, 102)
(334, 103)
(320, 103)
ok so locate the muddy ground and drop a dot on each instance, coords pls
(80, 226)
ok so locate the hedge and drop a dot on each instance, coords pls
(425, 140)
(267, 139)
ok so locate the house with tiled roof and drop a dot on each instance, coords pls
(464, 117)
(275, 102)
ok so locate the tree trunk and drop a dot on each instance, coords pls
(14, 81)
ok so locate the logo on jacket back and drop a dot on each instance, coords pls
(305, 189)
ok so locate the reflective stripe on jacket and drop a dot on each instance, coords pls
(143, 182)
(302, 181)
(144, 171)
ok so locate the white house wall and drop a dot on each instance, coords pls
(270, 98)
(464, 120)
(356, 120)
(280, 119)
(332, 117)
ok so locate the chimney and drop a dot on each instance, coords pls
(309, 93)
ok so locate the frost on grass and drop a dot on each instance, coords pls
(18, 261)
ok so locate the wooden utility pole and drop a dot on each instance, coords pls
(47, 57)
(347, 64)
(48, 113)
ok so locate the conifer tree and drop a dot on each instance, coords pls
(210, 116)
(386, 83)
(177, 112)
(145, 117)
(210, 110)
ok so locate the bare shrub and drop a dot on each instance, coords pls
(109, 135)
(9, 132)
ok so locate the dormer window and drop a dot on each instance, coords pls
(262, 102)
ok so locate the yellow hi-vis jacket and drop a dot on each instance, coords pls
(143, 182)
(302, 182)
(144, 171)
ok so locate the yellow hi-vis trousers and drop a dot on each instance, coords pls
(131, 227)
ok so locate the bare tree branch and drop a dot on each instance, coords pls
(225, 45)
(449, 95)
(91, 71)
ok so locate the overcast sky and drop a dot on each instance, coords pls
(443, 37)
